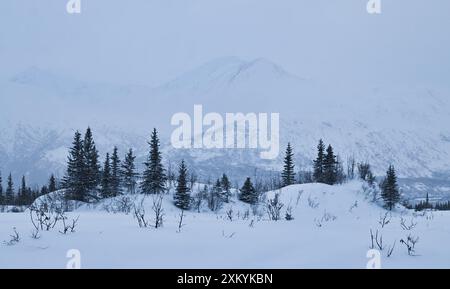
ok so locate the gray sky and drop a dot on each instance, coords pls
(152, 41)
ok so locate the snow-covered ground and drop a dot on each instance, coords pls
(331, 229)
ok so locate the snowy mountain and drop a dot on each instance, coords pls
(396, 125)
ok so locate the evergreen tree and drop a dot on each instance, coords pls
(129, 174)
(329, 167)
(390, 192)
(44, 190)
(23, 192)
(106, 182)
(115, 173)
(154, 177)
(226, 188)
(288, 175)
(9, 195)
(318, 163)
(182, 198)
(91, 175)
(52, 187)
(2, 198)
(76, 168)
(248, 193)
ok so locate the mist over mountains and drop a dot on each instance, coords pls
(373, 86)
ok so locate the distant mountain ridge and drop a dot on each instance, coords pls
(403, 126)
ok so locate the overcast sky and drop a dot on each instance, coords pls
(152, 41)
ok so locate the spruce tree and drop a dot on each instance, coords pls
(74, 180)
(2, 198)
(182, 197)
(91, 175)
(390, 192)
(226, 188)
(129, 174)
(154, 177)
(318, 163)
(329, 167)
(52, 187)
(115, 173)
(288, 175)
(106, 182)
(9, 194)
(23, 192)
(248, 193)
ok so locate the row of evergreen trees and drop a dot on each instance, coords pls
(25, 195)
(427, 205)
(86, 179)
(327, 169)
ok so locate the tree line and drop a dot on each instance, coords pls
(87, 180)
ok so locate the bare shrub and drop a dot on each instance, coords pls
(68, 227)
(14, 238)
(407, 227)
(181, 221)
(391, 250)
(273, 208)
(354, 206)
(230, 214)
(158, 210)
(377, 240)
(313, 203)
(289, 216)
(299, 196)
(385, 219)
(410, 244)
(139, 214)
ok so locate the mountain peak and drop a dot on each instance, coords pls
(226, 71)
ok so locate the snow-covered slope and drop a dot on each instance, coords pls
(331, 229)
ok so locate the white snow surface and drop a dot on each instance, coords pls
(210, 240)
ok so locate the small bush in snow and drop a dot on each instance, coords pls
(407, 227)
(139, 214)
(313, 203)
(158, 210)
(377, 240)
(14, 238)
(410, 244)
(385, 219)
(289, 216)
(273, 208)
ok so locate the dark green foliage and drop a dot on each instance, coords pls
(389, 189)
(91, 176)
(182, 198)
(2, 197)
(52, 186)
(319, 163)
(288, 174)
(329, 167)
(9, 194)
(154, 177)
(248, 193)
(128, 172)
(74, 180)
(226, 188)
(116, 181)
(106, 182)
